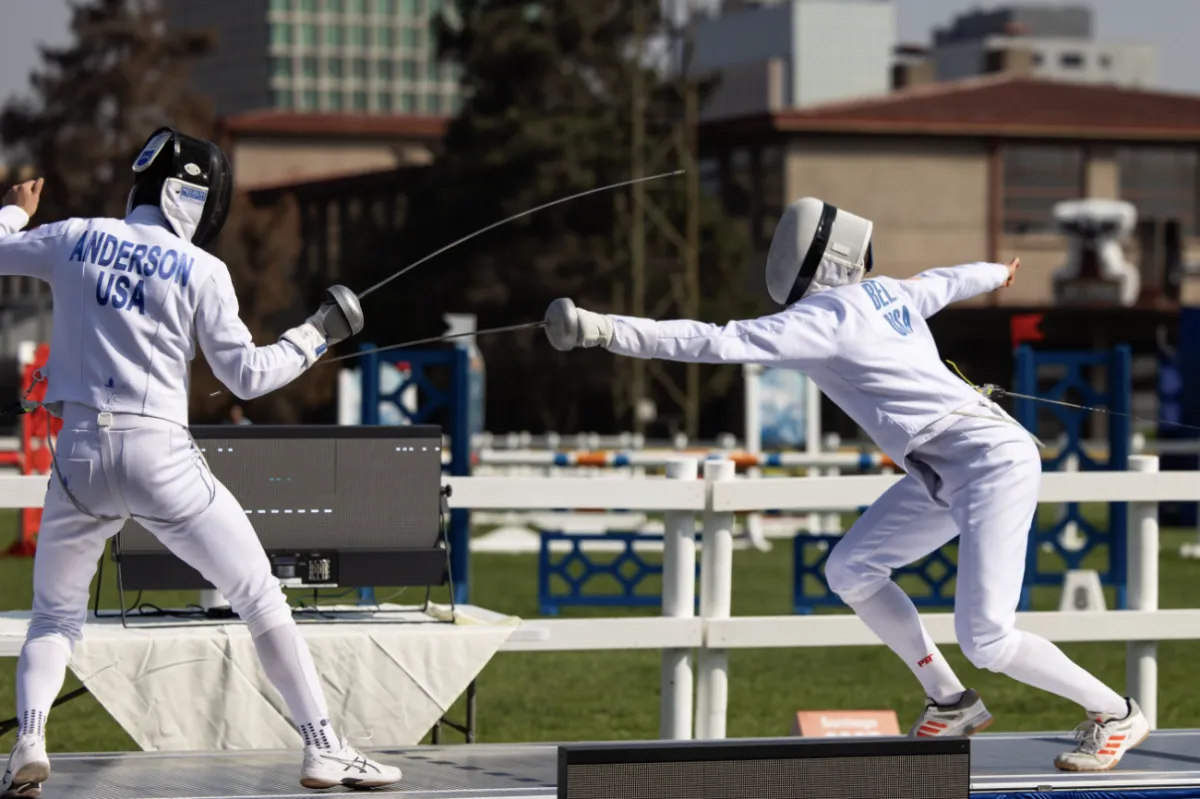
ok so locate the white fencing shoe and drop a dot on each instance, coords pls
(1104, 740)
(28, 768)
(967, 716)
(348, 768)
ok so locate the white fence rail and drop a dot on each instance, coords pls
(718, 496)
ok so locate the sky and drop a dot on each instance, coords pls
(1169, 24)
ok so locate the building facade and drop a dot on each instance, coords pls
(795, 53)
(954, 173)
(322, 56)
(950, 173)
(1052, 42)
(268, 149)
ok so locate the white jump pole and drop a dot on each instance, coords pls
(716, 582)
(678, 601)
(1141, 657)
(752, 380)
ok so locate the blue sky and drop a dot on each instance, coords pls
(1169, 24)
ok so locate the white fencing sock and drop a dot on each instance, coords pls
(41, 671)
(289, 666)
(893, 617)
(1039, 663)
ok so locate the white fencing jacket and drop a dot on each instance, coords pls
(866, 346)
(131, 298)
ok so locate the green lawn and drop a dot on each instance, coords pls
(614, 695)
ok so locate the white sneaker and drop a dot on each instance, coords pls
(967, 716)
(1104, 740)
(349, 768)
(28, 768)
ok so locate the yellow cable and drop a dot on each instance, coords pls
(958, 372)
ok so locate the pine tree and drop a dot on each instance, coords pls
(547, 113)
(97, 99)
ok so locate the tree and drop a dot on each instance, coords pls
(95, 102)
(97, 99)
(547, 113)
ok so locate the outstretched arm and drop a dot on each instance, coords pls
(933, 290)
(797, 336)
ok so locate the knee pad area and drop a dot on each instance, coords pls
(42, 632)
(265, 612)
(993, 654)
(852, 582)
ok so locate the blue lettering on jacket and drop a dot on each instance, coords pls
(106, 250)
(121, 292)
(115, 292)
(103, 289)
(878, 293)
(123, 253)
(900, 320)
(163, 271)
(135, 260)
(153, 256)
(137, 299)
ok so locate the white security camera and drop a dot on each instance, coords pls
(1096, 269)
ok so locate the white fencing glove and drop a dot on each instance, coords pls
(338, 318)
(569, 327)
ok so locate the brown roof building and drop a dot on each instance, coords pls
(949, 172)
(276, 148)
(971, 170)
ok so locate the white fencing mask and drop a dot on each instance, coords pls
(816, 247)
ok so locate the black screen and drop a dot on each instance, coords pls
(324, 487)
(770, 769)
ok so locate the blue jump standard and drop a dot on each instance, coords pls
(1167, 766)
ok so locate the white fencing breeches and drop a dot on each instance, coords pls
(144, 467)
(980, 479)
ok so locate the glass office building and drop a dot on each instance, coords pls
(322, 56)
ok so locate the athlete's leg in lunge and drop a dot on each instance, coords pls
(221, 544)
(994, 500)
(69, 546)
(903, 526)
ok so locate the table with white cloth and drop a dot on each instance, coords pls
(390, 673)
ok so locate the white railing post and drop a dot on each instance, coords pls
(752, 399)
(678, 601)
(812, 443)
(716, 581)
(1141, 657)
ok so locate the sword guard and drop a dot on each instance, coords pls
(990, 390)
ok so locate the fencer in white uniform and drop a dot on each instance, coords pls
(132, 297)
(972, 471)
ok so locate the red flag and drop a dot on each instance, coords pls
(1026, 327)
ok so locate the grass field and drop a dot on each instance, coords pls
(614, 695)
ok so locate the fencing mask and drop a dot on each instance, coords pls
(189, 179)
(816, 247)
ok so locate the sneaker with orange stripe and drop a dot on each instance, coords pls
(1104, 739)
(965, 717)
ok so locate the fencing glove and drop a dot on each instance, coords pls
(338, 318)
(568, 327)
